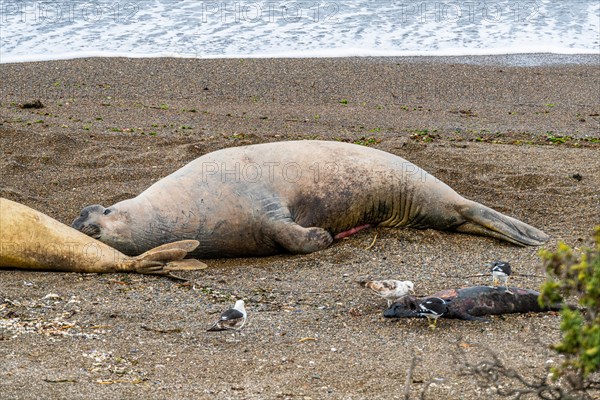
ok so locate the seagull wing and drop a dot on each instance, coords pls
(230, 319)
(231, 314)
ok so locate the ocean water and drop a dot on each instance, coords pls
(46, 30)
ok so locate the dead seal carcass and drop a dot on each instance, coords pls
(290, 196)
(32, 240)
(473, 303)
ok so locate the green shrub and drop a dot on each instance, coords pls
(575, 273)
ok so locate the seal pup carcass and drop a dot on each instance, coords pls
(292, 196)
(35, 241)
(472, 303)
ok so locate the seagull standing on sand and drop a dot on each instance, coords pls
(390, 289)
(232, 319)
(501, 270)
(433, 308)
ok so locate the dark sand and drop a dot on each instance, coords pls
(523, 140)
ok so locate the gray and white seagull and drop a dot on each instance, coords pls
(433, 308)
(232, 319)
(501, 270)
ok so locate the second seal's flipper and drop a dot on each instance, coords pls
(170, 251)
(482, 220)
(189, 264)
(166, 258)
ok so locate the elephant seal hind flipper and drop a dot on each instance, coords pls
(164, 259)
(482, 220)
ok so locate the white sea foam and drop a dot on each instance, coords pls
(34, 31)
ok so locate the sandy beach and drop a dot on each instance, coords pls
(524, 140)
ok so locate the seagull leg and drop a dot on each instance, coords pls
(434, 325)
(493, 281)
(506, 286)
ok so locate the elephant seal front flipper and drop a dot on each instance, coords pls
(299, 240)
(282, 230)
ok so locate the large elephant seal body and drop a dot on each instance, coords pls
(474, 303)
(290, 196)
(35, 241)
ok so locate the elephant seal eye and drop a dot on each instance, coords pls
(107, 211)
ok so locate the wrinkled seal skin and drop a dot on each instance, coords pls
(290, 196)
(474, 303)
(35, 241)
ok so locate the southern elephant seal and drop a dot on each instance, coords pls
(290, 196)
(32, 240)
